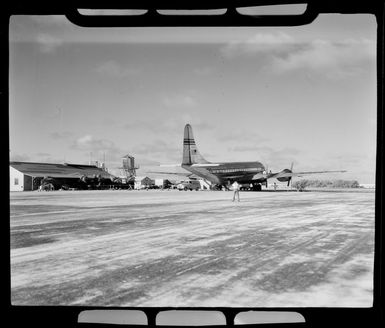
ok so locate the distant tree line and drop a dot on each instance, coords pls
(302, 184)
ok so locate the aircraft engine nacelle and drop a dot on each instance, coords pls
(283, 179)
(287, 178)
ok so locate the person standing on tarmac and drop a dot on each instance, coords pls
(236, 188)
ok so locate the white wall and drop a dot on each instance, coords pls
(368, 185)
(15, 174)
(159, 182)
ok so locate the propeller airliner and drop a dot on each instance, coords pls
(253, 174)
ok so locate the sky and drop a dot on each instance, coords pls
(277, 95)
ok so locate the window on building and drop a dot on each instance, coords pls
(16, 181)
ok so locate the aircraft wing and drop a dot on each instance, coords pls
(205, 164)
(284, 174)
(259, 176)
(289, 174)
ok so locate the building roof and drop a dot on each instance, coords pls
(59, 170)
(143, 178)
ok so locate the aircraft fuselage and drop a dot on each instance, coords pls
(225, 173)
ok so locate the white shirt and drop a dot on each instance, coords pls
(235, 186)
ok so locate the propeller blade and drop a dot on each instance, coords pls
(267, 173)
(291, 170)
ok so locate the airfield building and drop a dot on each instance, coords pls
(144, 182)
(25, 176)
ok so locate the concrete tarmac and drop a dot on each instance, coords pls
(193, 248)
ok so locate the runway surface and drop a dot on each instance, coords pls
(172, 248)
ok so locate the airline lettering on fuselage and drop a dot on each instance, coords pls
(188, 141)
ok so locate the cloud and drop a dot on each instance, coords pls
(157, 152)
(283, 54)
(113, 69)
(47, 158)
(60, 135)
(142, 161)
(156, 148)
(241, 136)
(48, 43)
(244, 148)
(334, 59)
(177, 123)
(101, 148)
(203, 71)
(43, 154)
(40, 157)
(171, 127)
(274, 158)
(285, 155)
(354, 161)
(90, 143)
(20, 157)
(359, 166)
(260, 43)
(98, 147)
(110, 122)
(179, 100)
(141, 125)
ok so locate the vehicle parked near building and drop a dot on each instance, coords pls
(189, 185)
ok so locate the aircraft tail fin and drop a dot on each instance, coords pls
(191, 154)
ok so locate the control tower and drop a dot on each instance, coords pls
(129, 168)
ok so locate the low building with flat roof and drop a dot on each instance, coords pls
(25, 176)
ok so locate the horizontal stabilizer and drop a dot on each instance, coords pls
(170, 165)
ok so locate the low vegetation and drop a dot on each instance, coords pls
(302, 184)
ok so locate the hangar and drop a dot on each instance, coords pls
(25, 176)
